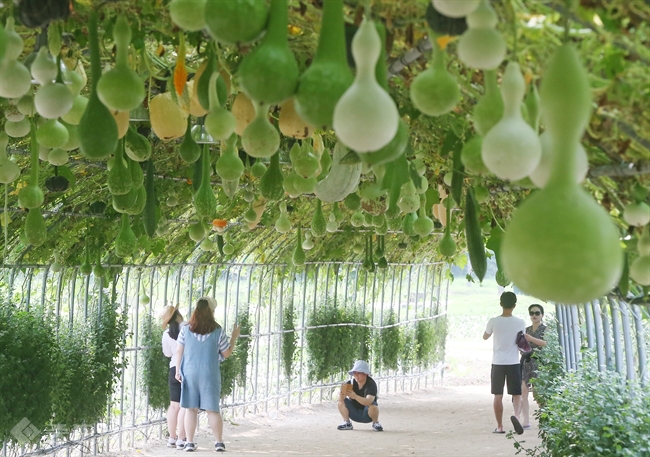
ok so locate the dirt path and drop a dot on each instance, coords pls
(445, 421)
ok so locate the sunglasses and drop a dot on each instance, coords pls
(535, 313)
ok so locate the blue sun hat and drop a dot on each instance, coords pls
(360, 366)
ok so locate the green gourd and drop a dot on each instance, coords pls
(494, 244)
(637, 214)
(126, 241)
(482, 46)
(137, 175)
(140, 201)
(352, 201)
(382, 229)
(230, 187)
(86, 268)
(228, 247)
(138, 148)
(207, 245)
(423, 226)
(97, 127)
(73, 137)
(308, 243)
(205, 202)
(15, 79)
(357, 219)
(52, 134)
(35, 229)
(481, 193)
(236, 21)
(434, 91)
(643, 243)
(397, 174)
(455, 8)
(474, 237)
(511, 149)
(206, 84)
(269, 74)
(407, 224)
(53, 99)
(329, 76)
(305, 185)
(447, 245)
(149, 216)
(119, 177)
(250, 215)
(229, 166)
(196, 231)
(188, 14)
(532, 102)
(366, 117)
(260, 138)
(197, 173)
(542, 172)
(271, 184)
(560, 245)
(332, 226)
(31, 196)
(298, 257)
(303, 160)
(123, 203)
(409, 201)
(9, 171)
(17, 129)
(43, 68)
(120, 88)
(189, 150)
(283, 224)
(640, 270)
(489, 109)
(341, 181)
(73, 116)
(318, 222)
(501, 278)
(458, 176)
(258, 169)
(471, 158)
(219, 123)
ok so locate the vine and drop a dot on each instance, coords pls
(154, 367)
(289, 339)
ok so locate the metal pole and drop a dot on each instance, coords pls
(627, 340)
(616, 330)
(303, 339)
(590, 325)
(644, 376)
(607, 334)
(575, 325)
(600, 343)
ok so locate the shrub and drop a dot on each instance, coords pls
(289, 339)
(154, 366)
(390, 339)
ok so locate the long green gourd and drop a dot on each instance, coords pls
(149, 216)
(31, 196)
(236, 21)
(205, 202)
(271, 183)
(366, 117)
(126, 241)
(511, 149)
(475, 246)
(318, 222)
(270, 73)
(560, 244)
(119, 177)
(298, 257)
(489, 109)
(447, 245)
(321, 86)
(97, 127)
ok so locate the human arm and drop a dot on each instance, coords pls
(538, 341)
(488, 330)
(168, 345)
(233, 338)
(365, 401)
(180, 348)
(486, 335)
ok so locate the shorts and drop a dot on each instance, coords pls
(174, 386)
(511, 373)
(358, 414)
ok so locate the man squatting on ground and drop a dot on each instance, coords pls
(358, 398)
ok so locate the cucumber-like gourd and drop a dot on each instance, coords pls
(341, 180)
(97, 127)
(271, 184)
(149, 215)
(137, 175)
(474, 237)
(482, 46)
(458, 175)
(366, 117)
(269, 74)
(298, 257)
(119, 177)
(624, 283)
(260, 139)
(511, 149)
(318, 223)
(236, 21)
(126, 241)
(35, 229)
(205, 202)
(188, 14)
(637, 214)
(321, 86)
(560, 245)
(229, 166)
(489, 109)
(456, 8)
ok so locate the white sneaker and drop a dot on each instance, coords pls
(180, 444)
(190, 447)
(171, 442)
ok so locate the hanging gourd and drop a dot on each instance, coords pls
(366, 117)
(489, 109)
(482, 46)
(43, 69)
(531, 102)
(282, 223)
(9, 171)
(119, 177)
(260, 139)
(342, 179)
(126, 241)
(269, 74)
(17, 129)
(244, 112)
(471, 157)
(447, 245)
(236, 21)
(35, 229)
(97, 128)
(308, 243)
(86, 268)
(205, 202)
(188, 14)
(138, 148)
(196, 231)
(409, 201)
(643, 243)
(318, 223)
(291, 124)
(423, 226)
(258, 169)
(298, 256)
(53, 99)
(271, 183)
(288, 184)
(511, 149)
(434, 91)
(74, 115)
(15, 79)
(56, 266)
(249, 196)
(168, 119)
(31, 196)
(149, 212)
(74, 75)
(52, 134)
(73, 137)
(189, 150)
(473, 235)
(560, 244)
(455, 8)
(637, 213)
(120, 88)
(640, 270)
(303, 160)
(328, 77)
(542, 172)
(332, 226)
(219, 123)
(229, 166)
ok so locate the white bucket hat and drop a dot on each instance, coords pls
(211, 302)
(360, 366)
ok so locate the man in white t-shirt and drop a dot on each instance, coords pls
(505, 359)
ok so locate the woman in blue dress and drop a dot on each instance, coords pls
(202, 346)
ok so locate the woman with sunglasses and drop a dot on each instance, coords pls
(535, 336)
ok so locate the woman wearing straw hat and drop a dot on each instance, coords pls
(202, 346)
(175, 414)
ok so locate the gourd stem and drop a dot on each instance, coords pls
(33, 172)
(278, 22)
(490, 83)
(93, 40)
(5, 222)
(448, 218)
(122, 38)
(438, 55)
(331, 46)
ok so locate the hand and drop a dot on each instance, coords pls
(235, 331)
(528, 338)
(178, 377)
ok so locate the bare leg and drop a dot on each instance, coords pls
(181, 423)
(525, 406)
(373, 412)
(172, 418)
(190, 423)
(216, 424)
(345, 414)
(498, 411)
(516, 402)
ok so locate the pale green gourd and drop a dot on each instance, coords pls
(15, 80)
(447, 245)
(258, 169)
(357, 219)
(332, 226)
(207, 245)
(73, 138)
(9, 171)
(308, 243)
(228, 248)
(137, 174)
(298, 257)
(542, 172)
(434, 91)
(229, 166)
(269, 74)
(196, 231)
(205, 202)
(409, 201)
(407, 224)
(328, 77)
(471, 157)
(120, 88)
(119, 176)
(482, 46)
(57, 157)
(640, 270)
(97, 127)
(17, 129)
(139, 202)
(188, 14)
(35, 229)
(123, 203)
(73, 116)
(643, 243)
(44, 69)
(56, 266)
(637, 214)
(236, 21)
(303, 160)
(13, 42)
(219, 123)
(282, 223)
(31, 196)
(318, 223)
(489, 109)
(342, 180)
(250, 215)
(456, 8)
(126, 241)
(288, 184)
(86, 268)
(560, 244)
(230, 187)
(423, 226)
(260, 139)
(52, 134)
(138, 148)
(366, 117)
(189, 150)
(511, 149)
(26, 105)
(305, 185)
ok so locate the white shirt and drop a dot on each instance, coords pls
(169, 346)
(505, 329)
